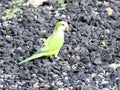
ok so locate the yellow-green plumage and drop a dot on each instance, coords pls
(52, 44)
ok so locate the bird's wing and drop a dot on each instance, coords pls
(54, 42)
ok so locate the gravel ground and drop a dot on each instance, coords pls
(89, 58)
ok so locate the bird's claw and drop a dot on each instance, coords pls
(57, 58)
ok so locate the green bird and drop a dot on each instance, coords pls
(53, 43)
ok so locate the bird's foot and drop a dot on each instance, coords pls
(57, 58)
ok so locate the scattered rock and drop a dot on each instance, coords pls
(89, 58)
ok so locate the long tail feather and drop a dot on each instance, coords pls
(34, 56)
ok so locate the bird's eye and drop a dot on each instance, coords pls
(63, 25)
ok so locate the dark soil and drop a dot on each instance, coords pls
(91, 47)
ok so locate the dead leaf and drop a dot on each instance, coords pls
(35, 85)
(109, 11)
(106, 3)
(35, 3)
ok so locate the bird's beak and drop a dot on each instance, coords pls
(67, 28)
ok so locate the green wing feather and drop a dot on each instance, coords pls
(54, 42)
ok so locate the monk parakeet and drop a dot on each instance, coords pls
(53, 43)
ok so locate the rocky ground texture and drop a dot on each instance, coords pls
(89, 58)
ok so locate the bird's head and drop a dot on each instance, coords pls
(61, 26)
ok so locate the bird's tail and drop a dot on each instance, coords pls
(34, 56)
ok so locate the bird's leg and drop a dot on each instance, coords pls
(56, 54)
